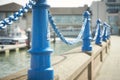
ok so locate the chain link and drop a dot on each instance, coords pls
(78, 39)
(16, 15)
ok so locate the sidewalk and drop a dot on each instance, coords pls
(110, 69)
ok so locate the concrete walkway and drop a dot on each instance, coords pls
(110, 69)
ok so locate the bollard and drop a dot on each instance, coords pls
(87, 34)
(104, 32)
(108, 31)
(98, 39)
(29, 38)
(40, 68)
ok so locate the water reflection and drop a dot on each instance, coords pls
(13, 62)
(16, 61)
(60, 47)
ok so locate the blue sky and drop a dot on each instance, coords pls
(55, 3)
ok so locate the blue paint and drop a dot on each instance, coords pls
(109, 32)
(40, 68)
(104, 32)
(98, 39)
(87, 34)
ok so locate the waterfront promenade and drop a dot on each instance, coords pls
(110, 69)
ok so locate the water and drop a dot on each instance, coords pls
(16, 61)
(13, 62)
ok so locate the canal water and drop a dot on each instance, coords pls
(16, 61)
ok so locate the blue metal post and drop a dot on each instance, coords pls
(87, 34)
(104, 32)
(40, 68)
(98, 40)
(108, 31)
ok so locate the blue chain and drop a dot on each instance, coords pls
(16, 15)
(61, 36)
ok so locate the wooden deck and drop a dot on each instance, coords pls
(21, 75)
(77, 66)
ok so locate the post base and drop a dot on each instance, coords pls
(105, 40)
(85, 49)
(46, 74)
(98, 43)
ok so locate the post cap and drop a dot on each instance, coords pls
(86, 14)
(106, 24)
(98, 21)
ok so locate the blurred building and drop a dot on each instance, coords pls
(98, 9)
(113, 16)
(64, 17)
(7, 10)
(68, 19)
(109, 11)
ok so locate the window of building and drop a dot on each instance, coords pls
(8, 14)
(1, 16)
(113, 20)
(68, 20)
(113, 8)
(111, 0)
